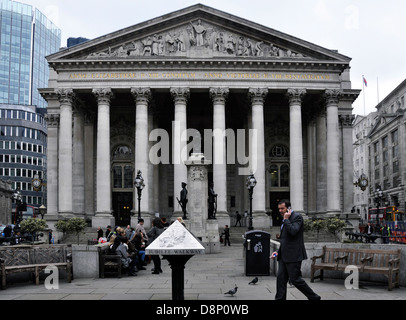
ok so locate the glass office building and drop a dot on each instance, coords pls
(26, 37)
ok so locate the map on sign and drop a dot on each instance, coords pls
(176, 240)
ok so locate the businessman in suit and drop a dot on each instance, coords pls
(291, 253)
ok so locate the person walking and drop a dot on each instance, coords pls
(153, 233)
(226, 234)
(238, 216)
(291, 253)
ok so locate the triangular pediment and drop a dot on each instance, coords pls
(384, 120)
(198, 32)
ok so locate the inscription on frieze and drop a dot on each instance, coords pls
(282, 76)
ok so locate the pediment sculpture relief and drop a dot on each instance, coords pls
(196, 39)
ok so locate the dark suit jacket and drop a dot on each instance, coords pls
(292, 247)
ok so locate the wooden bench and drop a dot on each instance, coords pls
(386, 262)
(108, 263)
(34, 258)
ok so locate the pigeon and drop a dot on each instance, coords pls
(232, 291)
(254, 281)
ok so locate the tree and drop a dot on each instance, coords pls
(77, 225)
(73, 225)
(317, 225)
(334, 225)
(32, 226)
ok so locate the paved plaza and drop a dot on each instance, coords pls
(207, 277)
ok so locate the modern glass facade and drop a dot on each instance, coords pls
(26, 37)
(23, 134)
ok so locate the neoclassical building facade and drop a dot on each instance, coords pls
(250, 98)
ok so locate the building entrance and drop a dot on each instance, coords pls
(274, 198)
(122, 206)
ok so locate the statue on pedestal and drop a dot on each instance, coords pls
(183, 199)
(212, 202)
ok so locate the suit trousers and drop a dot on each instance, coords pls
(292, 271)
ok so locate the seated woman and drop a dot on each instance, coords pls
(119, 248)
(139, 244)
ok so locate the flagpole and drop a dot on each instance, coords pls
(377, 89)
(363, 90)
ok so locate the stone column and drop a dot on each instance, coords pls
(348, 165)
(89, 165)
(321, 156)
(179, 143)
(258, 96)
(103, 174)
(219, 96)
(52, 165)
(65, 189)
(296, 149)
(333, 152)
(142, 97)
(311, 167)
(78, 163)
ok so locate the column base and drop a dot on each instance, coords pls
(260, 220)
(103, 220)
(333, 212)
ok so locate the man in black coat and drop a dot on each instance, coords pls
(291, 253)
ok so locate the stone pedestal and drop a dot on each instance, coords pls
(197, 207)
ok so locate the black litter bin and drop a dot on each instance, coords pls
(257, 251)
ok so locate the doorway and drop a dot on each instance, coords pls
(274, 198)
(122, 206)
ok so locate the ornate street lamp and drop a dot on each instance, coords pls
(139, 184)
(251, 183)
(42, 211)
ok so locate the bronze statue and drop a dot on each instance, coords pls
(183, 199)
(212, 202)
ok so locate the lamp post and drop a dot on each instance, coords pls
(18, 200)
(42, 211)
(139, 184)
(251, 182)
(378, 200)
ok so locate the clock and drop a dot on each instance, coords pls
(363, 183)
(36, 183)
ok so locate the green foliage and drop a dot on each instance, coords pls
(33, 225)
(73, 225)
(334, 225)
(62, 226)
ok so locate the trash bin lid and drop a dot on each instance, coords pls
(253, 234)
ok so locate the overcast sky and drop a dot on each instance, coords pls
(371, 32)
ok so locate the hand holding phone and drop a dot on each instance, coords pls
(287, 213)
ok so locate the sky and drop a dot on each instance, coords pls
(371, 32)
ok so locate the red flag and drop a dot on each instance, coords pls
(365, 81)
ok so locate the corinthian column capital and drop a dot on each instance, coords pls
(257, 95)
(333, 96)
(142, 95)
(65, 95)
(295, 95)
(103, 95)
(180, 95)
(219, 95)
